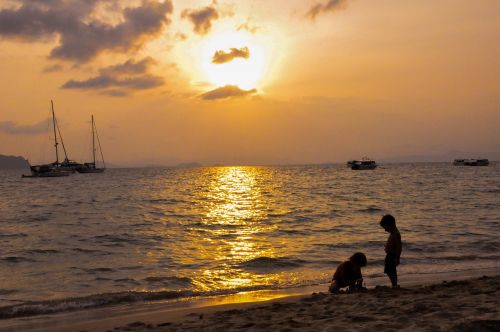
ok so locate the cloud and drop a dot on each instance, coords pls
(121, 79)
(329, 6)
(227, 91)
(12, 128)
(181, 36)
(82, 36)
(201, 18)
(53, 68)
(221, 57)
(248, 27)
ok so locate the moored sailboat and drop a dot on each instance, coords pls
(55, 169)
(90, 167)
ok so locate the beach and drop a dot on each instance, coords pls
(459, 305)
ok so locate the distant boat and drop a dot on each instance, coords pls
(363, 164)
(55, 169)
(90, 167)
(471, 162)
(45, 171)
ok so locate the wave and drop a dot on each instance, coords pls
(170, 280)
(293, 231)
(13, 235)
(17, 259)
(371, 209)
(43, 251)
(8, 291)
(270, 263)
(166, 201)
(91, 251)
(34, 308)
(354, 245)
(99, 270)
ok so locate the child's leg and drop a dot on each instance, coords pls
(393, 276)
(390, 269)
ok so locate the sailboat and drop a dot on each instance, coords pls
(55, 169)
(91, 166)
(49, 170)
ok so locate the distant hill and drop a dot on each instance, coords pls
(11, 162)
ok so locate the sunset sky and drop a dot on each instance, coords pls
(251, 82)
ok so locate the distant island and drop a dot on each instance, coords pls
(11, 162)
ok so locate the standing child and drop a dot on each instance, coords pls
(348, 274)
(393, 248)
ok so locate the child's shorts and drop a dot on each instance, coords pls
(391, 261)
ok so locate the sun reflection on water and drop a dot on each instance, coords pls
(235, 216)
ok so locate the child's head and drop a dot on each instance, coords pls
(359, 259)
(388, 222)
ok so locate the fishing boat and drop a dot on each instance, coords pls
(471, 162)
(90, 167)
(55, 169)
(363, 164)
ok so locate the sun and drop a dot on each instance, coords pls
(246, 73)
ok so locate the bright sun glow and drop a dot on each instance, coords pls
(245, 73)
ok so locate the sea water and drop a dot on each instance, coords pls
(131, 235)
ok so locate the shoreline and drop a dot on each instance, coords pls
(174, 312)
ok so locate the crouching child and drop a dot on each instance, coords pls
(348, 274)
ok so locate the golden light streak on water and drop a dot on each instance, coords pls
(236, 202)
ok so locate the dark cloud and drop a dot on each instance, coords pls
(227, 91)
(201, 18)
(81, 35)
(329, 6)
(120, 80)
(15, 129)
(221, 57)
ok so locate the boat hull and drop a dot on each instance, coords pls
(471, 162)
(90, 170)
(46, 175)
(357, 167)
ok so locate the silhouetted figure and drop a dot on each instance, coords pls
(348, 274)
(393, 248)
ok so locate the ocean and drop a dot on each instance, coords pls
(132, 235)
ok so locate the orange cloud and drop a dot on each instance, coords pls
(329, 6)
(227, 91)
(201, 18)
(221, 57)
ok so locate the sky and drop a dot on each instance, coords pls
(251, 81)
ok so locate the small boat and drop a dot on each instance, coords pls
(471, 162)
(90, 167)
(363, 164)
(55, 169)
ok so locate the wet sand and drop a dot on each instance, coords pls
(467, 305)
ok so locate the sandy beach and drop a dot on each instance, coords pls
(471, 305)
(466, 305)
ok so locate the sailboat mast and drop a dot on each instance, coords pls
(93, 141)
(55, 132)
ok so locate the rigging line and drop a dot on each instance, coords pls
(62, 142)
(99, 143)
